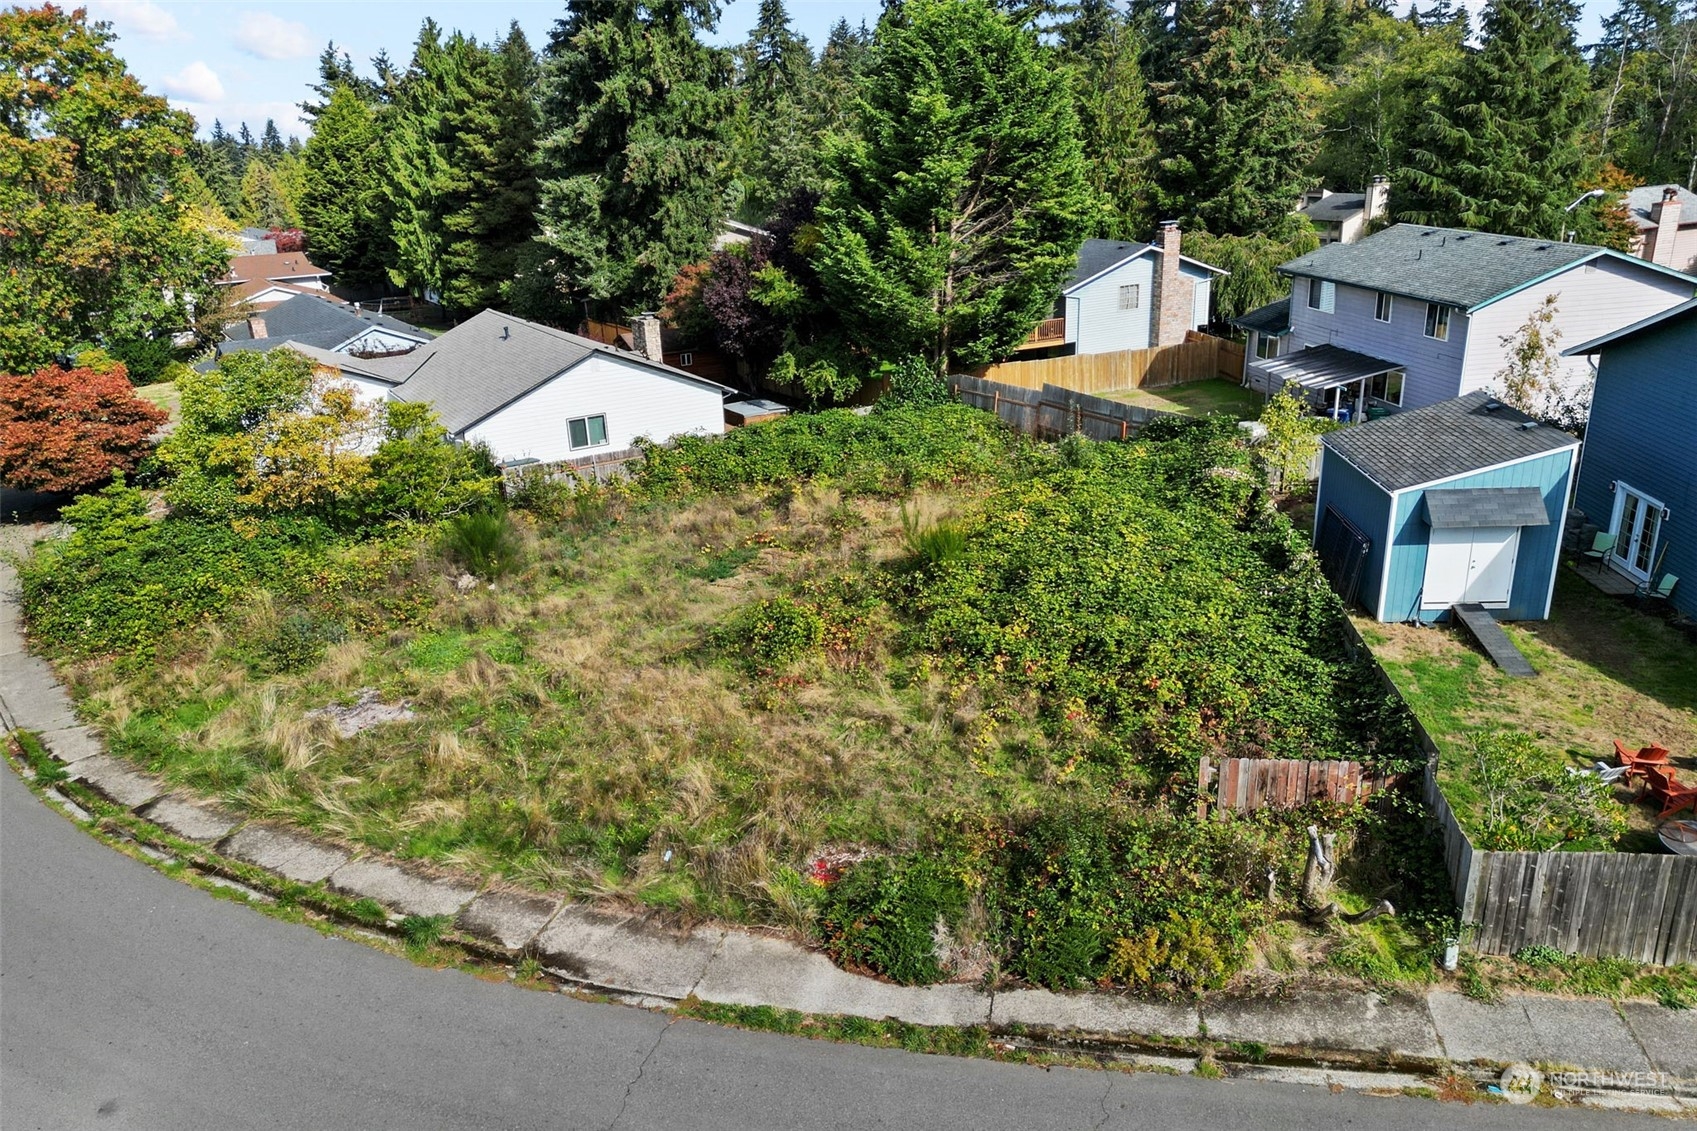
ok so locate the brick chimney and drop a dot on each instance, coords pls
(1174, 294)
(1664, 214)
(256, 327)
(645, 335)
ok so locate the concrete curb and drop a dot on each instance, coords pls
(1609, 1049)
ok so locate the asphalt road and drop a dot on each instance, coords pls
(128, 1000)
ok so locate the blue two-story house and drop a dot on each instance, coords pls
(1414, 315)
(1638, 469)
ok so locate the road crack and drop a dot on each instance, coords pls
(630, 1087)
(1112, 1075)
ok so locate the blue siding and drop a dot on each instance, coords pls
(1534, 570)
(1364, 503)
(1643, 431)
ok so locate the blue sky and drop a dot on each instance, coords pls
(248, 62)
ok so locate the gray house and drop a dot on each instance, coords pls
(323, 323)
(1129, 296)
(1414, 315)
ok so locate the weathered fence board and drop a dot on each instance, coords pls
(1052, 412)
(1288, 783)
(1637, 905)
(1201, 357)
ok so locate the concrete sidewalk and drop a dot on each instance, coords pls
(1635, 1046)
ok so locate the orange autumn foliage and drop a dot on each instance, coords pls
(67, 429)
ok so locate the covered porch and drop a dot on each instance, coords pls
(1340, 383)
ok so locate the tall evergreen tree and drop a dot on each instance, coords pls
(778, 125)
(1499, 150)
(342, 205)
(263, 202)
(212, 165)
(1114, 122)
(1235, 134)
(632, 167)
(958, 210)
(271, 141)
(336, 70)
(416, 162)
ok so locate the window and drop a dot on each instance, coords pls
(1387, 387)
(685, 360)
(1438, 321)
(588, 431)
(1382, 308)
(1266, 346)
(1322, 296)
(1131, 296)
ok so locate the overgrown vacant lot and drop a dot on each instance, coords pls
(928, 692)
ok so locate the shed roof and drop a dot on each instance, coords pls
(1449, 265)
(1444, 440)
(1272, 320)
(1485, 506)
(489, 361)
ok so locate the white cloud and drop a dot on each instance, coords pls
(194, 83)
(142, 19)
(265, 36)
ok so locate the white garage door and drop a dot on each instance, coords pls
(1470, 565)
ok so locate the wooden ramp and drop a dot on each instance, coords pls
(1491, 637)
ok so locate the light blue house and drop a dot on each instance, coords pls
(1128, 296)
(1638, 471)
(1461, 502)
(1414, 315)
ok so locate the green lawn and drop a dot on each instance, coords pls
(1605, 672)
(1200, 398)
(165, 395)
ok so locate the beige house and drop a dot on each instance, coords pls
(1666, 216)
(1343, 217)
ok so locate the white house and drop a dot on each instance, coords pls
(1128, 296)
(537, 394)
(1344, 217)
(1414, 315)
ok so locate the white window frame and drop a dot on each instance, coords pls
(588, 435)
(1131, 296)
(686, 359)
(1438, 321)
(1267, 346)
(1322, 295)
(1383, 307)
(1622, 559)
(1384, 380)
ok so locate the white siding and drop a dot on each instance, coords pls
(1199, 301)
(1102, 326)
(637, 401)
(366, 389)
(1595, 299)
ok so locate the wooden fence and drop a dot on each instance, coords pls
(603, 467)
(1288, 783)
(1201, 357)
(1051, 412)
(1636, 905)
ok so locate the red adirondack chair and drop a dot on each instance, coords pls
(1667, 791)
(1644, 758)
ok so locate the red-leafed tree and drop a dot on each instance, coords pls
(287, 239)
(66, 429)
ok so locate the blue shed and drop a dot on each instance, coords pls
(1638, 473)
(1460, 502)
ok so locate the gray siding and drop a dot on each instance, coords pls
(1592, 300)
(1433, 367)
(1643, 431)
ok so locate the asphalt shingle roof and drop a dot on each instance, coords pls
(1272, 319)
(319, 322)
(1640, 200)
(1443, 440)
(490, 361)
(1447, 265)
(1338, 206)
(1485, 506)
(1099, 255)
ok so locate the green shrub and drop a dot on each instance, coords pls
(1540, 955)
(770, 635)
(932, 543)
(913, 383)
(1532, 804)
(483, 543)
(882, 916)
(300, 642)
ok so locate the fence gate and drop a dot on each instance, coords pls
(1343, 552)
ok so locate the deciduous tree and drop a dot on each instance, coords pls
(70, 429)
